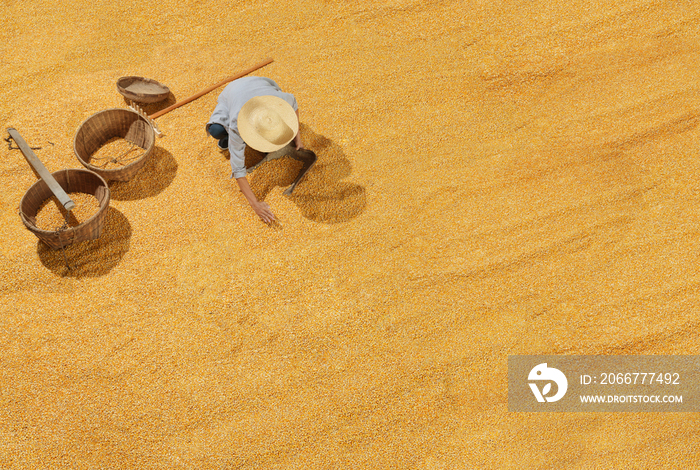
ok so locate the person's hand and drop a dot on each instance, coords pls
(297, 143)
(264, 212)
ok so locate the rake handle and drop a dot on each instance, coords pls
(211, 88)
(41, 170)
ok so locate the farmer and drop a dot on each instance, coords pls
(256, 112)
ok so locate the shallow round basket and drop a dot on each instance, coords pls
(99, 128)
(75, 180)
(142, 90)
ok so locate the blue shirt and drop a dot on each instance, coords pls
(229, 104)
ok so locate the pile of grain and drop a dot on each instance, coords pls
(116, 153)
(275, 173)
(493, 178)
(52, 215)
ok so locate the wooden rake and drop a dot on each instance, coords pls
(307, 157)
(151, 119)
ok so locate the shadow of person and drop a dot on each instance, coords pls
(152, 108)
(156, 175)
(92, 258)
(321, 195)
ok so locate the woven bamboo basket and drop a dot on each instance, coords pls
(99, 128)
(142, 90)
(74, 180)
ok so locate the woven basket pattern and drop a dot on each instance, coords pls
(140, 97)
(96, 130)
(74, 180)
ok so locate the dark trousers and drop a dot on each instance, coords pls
(218, 131)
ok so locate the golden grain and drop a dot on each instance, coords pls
(52, 216)
(115, 153)
(493, 178)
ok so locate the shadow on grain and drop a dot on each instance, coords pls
(92, 258)
(322, 196)
(156, 175)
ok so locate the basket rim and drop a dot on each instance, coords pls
(34, 228)
(96, 169)
(130, 94)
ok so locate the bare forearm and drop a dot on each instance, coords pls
(246, 190)
(262, 209)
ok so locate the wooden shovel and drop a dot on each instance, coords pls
(309, 158)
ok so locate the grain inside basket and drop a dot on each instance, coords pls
(115, 153)
(52, 215)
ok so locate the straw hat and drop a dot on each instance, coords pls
(267, 123)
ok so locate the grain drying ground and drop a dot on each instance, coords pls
(494, 178)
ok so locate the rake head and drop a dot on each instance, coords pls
(144, 115)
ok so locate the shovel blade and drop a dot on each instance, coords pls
(309, 158)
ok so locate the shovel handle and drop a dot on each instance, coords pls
(41, 170)
(211, 88)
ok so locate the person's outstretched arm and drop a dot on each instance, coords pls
(261, 208)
